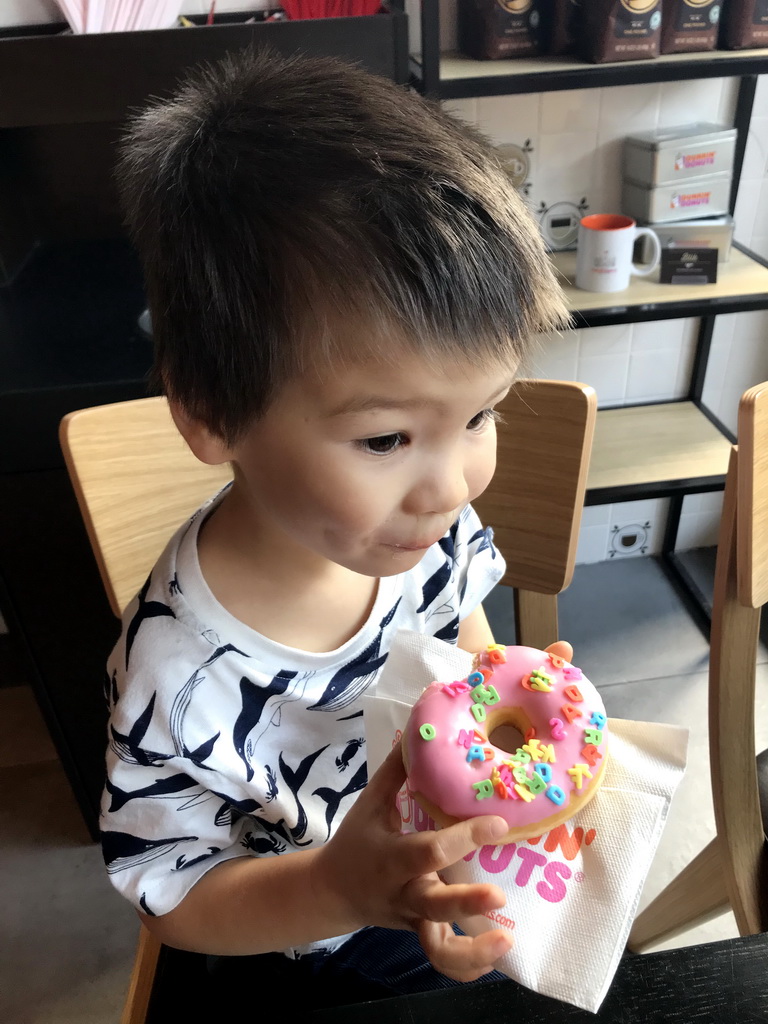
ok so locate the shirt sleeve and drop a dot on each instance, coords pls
(163, 823)
(479, 564)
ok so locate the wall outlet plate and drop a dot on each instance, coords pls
(516, 162)
(559, 223)
(630, 539)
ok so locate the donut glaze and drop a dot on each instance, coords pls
(455, 772)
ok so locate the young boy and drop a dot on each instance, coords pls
(342, 284)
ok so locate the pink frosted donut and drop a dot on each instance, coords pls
(454, 770)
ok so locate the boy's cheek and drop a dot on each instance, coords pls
(481, 472)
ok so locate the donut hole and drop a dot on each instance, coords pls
(507, 728)
(507, 738)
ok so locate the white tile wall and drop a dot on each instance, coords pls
(699, 521)
(576, 137)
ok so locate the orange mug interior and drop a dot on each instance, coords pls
(607, 222)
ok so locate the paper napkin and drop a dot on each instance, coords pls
(573, 892)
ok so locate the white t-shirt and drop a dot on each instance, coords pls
(223, 743)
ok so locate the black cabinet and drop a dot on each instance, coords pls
(70, 296)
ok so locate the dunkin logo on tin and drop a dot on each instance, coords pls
(685, 200)
(684, 161)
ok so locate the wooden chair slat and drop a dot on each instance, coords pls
(535, 499)
(136, 481)
(753, 498)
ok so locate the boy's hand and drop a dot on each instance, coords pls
(380, 877)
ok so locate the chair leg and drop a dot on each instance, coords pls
(142, 978)
(535, 618)
(697, 894)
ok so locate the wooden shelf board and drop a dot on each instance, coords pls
(655, 443)
(455, 66)
(740, 276)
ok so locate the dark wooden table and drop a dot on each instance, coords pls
(713, 983)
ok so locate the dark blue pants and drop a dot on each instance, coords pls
(375, 963)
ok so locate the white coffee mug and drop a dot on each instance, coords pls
(604, 256)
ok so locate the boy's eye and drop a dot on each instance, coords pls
(383, 445)
(486, 416)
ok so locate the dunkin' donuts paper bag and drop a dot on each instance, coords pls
(571, 893)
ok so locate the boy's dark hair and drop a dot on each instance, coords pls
(272, 199)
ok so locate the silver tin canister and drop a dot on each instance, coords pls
(712, 233)
(700, 197)
(668, 156)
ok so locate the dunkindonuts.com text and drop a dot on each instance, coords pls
(497, 918)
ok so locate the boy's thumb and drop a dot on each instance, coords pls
(389, 776)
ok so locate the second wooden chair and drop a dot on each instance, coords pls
(732, 871)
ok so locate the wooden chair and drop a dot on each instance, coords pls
(731, 870)
(136, 481)
(535, 499)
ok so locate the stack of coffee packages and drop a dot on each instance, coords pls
(594, 30)
(602, 31)
(690, 26)
(743, 24)
(678, 182)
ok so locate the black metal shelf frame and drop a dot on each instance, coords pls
(556, 74)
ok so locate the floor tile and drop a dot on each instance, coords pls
(682, 700)
(67, 937)
(700, 564)
(24, 737)
(13, 668)
(625, 622)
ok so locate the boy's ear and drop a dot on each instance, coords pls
(205, 445)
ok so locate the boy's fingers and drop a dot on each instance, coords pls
(433, 900)
(432, 851)
(462, 957)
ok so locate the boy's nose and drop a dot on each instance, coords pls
(440, 490)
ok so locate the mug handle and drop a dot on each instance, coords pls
(648, 268)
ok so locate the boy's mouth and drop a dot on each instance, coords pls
(419, 545)
(414, 546)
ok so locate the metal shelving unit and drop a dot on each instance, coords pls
(668, 449)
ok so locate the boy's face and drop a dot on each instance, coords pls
(368, 466)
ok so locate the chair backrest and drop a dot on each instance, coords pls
(752, 532)
(741, 587)
(136, 481)
(535, 500)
